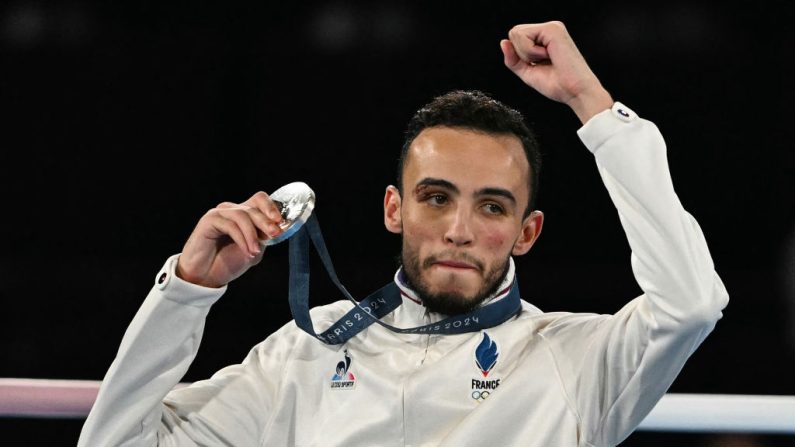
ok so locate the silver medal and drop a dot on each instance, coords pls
(296, 201)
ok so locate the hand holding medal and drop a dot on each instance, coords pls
(231, 238)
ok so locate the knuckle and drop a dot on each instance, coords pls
(213, 213)
(263, 201)
(236, 212)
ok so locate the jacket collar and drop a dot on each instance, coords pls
(411, 299)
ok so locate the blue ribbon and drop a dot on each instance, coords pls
(378, 304)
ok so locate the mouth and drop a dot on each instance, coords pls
(459, 265)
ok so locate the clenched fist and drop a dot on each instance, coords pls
(545, 57)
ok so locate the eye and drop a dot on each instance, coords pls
(437, 199)
(493, 208)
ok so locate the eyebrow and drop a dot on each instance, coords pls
(501, 192)
(488, 191)
(430, 181)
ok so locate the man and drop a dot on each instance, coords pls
(463, 205)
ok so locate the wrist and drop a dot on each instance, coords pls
(591, 102)
(186, 274)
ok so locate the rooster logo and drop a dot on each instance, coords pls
(342, 369)
(486, 355)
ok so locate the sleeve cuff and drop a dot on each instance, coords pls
(177, 289)
(605, 124)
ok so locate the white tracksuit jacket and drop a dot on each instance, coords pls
(560, 379)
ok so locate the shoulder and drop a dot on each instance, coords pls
(290, 340)
(329, 313)
(559, 323)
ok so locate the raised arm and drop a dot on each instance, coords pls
(545, 57)
(616, 367)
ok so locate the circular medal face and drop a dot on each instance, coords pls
(296, 200)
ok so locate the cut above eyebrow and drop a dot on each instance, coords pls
(430, 181)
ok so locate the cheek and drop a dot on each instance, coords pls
(417, 235)
(419, 225)
(496, 240)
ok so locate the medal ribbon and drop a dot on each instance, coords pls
(378, 304)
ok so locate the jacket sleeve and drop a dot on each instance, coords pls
(624, 363)
(155, 352)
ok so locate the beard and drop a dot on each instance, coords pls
(450, 303)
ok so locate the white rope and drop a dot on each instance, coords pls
(675, 412)
(722, 413)
(47, 398)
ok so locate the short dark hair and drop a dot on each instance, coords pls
(475, 110)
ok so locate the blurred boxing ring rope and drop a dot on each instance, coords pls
(42, 398)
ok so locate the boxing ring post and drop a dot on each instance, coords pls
(708, 413)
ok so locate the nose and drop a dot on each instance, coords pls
(459, 231)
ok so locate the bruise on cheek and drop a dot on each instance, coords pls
(495, 239)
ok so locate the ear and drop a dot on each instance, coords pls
(392, 217)
(531, 229)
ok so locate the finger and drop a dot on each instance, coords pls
(263, 202)
(514, 63)
(528, 51)
(529, 42)
(266, 227)
(246, 226)
(510, 58)
(265, 214)
(231, 229)
(537, 54)
(258, 258)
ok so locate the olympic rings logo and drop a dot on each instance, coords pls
(480, 395)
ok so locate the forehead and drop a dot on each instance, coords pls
(468, 158)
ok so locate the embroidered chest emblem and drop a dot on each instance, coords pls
(343, 378)
(486, 355)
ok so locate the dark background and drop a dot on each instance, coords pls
(123, 122)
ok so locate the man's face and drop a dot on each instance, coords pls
(461, 214)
